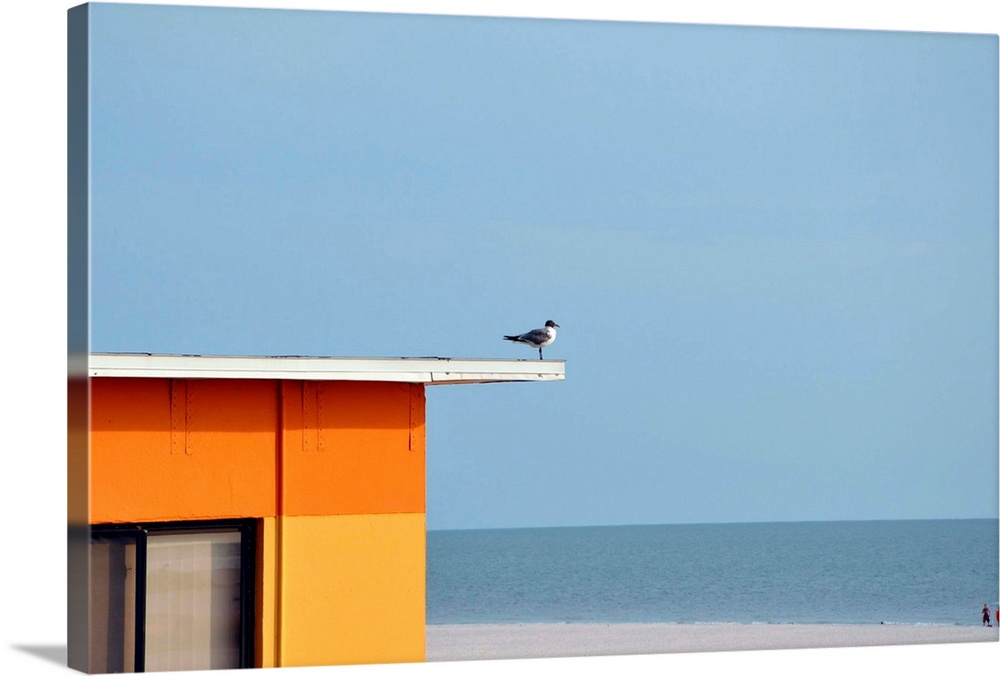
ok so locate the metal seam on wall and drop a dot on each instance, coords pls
(178, 417)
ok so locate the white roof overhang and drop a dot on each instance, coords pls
(425, 370)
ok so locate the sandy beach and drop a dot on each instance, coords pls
(506, 641)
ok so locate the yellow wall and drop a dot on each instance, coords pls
(352, 589)
(266, 600)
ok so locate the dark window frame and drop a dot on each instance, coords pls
(247, 529)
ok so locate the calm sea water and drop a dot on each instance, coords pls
(905, 572)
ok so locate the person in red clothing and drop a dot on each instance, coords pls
(998, 616)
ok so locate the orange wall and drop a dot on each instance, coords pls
(352, 448)
(164, 449)
(77, 450)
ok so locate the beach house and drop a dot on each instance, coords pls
(234, 512)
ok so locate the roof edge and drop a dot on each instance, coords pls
(426, 370)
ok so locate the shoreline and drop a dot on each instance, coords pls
(459, 642)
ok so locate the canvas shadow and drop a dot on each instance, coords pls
(50, 653)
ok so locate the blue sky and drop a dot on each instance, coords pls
(772, 251)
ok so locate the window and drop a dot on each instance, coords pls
(172, 596)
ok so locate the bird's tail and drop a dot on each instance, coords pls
(514, 338)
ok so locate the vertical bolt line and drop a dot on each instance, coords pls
(180, 416)
(188, 415)
(320, 442)
(175, 426)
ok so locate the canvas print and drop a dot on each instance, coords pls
(401, 338)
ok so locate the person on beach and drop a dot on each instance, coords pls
(986, 616)
(998, 616)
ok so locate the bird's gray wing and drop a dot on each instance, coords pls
(535, 336)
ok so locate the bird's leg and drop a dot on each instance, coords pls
(539, 353)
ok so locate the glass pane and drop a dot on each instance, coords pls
(112, 605)
(193, 601)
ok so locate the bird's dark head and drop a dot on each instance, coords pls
(551, 323)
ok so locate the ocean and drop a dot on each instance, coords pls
(900, 572)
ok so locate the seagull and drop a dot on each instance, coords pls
(537, 337)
